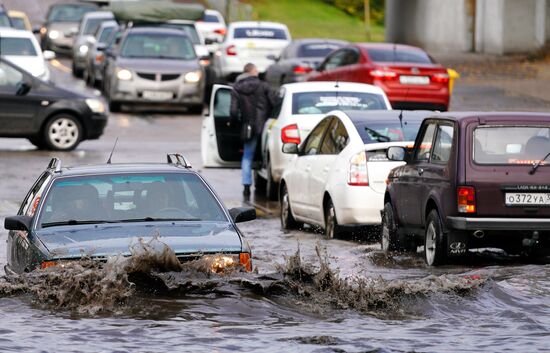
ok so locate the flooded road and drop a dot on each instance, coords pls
(331, 296)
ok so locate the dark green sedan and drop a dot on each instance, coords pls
(100, 211)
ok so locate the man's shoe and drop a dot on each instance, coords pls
(246, 191)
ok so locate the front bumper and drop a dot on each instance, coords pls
(182, 93)
(95, 126)
(503, 224)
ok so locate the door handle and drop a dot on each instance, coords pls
(420, 171)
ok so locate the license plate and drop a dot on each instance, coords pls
(157, 96)
(414, 80)
(527, 198)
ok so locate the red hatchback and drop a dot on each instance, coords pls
(408, 75)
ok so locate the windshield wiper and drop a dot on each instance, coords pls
(538, 164)
(72, 222)
(379, 136)
(151, 219)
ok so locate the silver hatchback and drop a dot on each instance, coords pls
(154, 65)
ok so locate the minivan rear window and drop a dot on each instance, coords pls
(260, 33)
(511, 144)
(399, 56)
(324, 102)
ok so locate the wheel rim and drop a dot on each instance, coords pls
(63, 133)
(331, 220)
(430, 244)
(385, 234)
(285, 209)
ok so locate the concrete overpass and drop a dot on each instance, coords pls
(485, 26)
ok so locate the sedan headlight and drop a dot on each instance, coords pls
(192, 77)
(95, 105)
(123, 74)
(83, 49)
(53, 34)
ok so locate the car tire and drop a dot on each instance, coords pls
(114, 107)
(195, 109)
(259, 183)
(271, 186)
(435, 249)
(62, 132)
(332, 228)
(287, 219)
(38, 142)
(77, 72)
(389, 241)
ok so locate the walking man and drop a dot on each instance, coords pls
(252, 102)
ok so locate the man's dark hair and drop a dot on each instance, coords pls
(249, 67)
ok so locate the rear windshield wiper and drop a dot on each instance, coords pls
(537, 165)
(379, 136)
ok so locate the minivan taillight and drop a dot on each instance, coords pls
(466, 199)
(230, 50)
(357, 173)
(290, 134)
(383, 74)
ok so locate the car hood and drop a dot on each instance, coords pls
(158, 65)
(34, 65)
(63, 27)
(109, 239)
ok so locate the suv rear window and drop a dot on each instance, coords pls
(399, 56)
(260, 33)
(324, 102)
(511, 144)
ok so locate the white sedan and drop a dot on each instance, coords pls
(250, 42)
(303, 106)
(22, 49)
(338, 175)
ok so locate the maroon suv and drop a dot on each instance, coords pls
(472, 180)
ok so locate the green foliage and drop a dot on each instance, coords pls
(357, 8)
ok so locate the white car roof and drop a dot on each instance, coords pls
(330, 86)
(15, 33)
(212, 12)
(258, 24)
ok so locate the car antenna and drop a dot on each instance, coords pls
(113, 150)
(401, 113)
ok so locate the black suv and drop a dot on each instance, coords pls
(50, 117)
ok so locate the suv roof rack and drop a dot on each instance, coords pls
(178, 159)
(55, 165)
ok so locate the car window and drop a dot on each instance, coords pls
(189, 29)
(4, 20)
(399, 55)
(119, 197)
(68, 13)
(316, 50)
(29, 205)
(324, 102)
(335, 60)
(511, 144)
(423, 152)
(17, 46)
(157, 46)
(105, 34)
(336, 138)
(9, 78)
(210, 18)
(92, 24)
(222, 103)
(17, 22)
(260, 33)
(351, 57)
(314, 139)
(390, 130)
(443, 144)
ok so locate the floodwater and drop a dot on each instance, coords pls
(307, 294)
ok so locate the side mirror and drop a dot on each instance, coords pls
(290, 148)
(272, 57)
(36, 29)
(100, 46)
(48, 55)
(396, 153)
(242, 214)
(22, 88)
(18, 223)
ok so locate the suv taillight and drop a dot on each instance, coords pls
(383, 74)
(230, 50)
(357, 173)
(466, 199)
(290, 134)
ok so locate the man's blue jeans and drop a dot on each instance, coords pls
(248, 158)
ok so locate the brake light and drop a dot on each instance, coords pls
(99, 58)
(244, 259)
(300, 70)
(466, 199)
(440, 78)
(290, 134)
(230, 50)
(383, 74)
(357, 174)
(221, 31)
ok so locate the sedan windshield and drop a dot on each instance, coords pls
(324, 102)
(158, 46)
(17, 22)
(511, 144)
(17, 46)
(129, 198)
(68, 13)
(388, 131)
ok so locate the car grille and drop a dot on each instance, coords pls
(163, 77)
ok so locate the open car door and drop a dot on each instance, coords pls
(221, 144)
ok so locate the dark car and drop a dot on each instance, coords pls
(50, 117)
(61, 25)
(299, 58)
(408, 75)
(101, 211)
(106, 32)
(473, 180)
